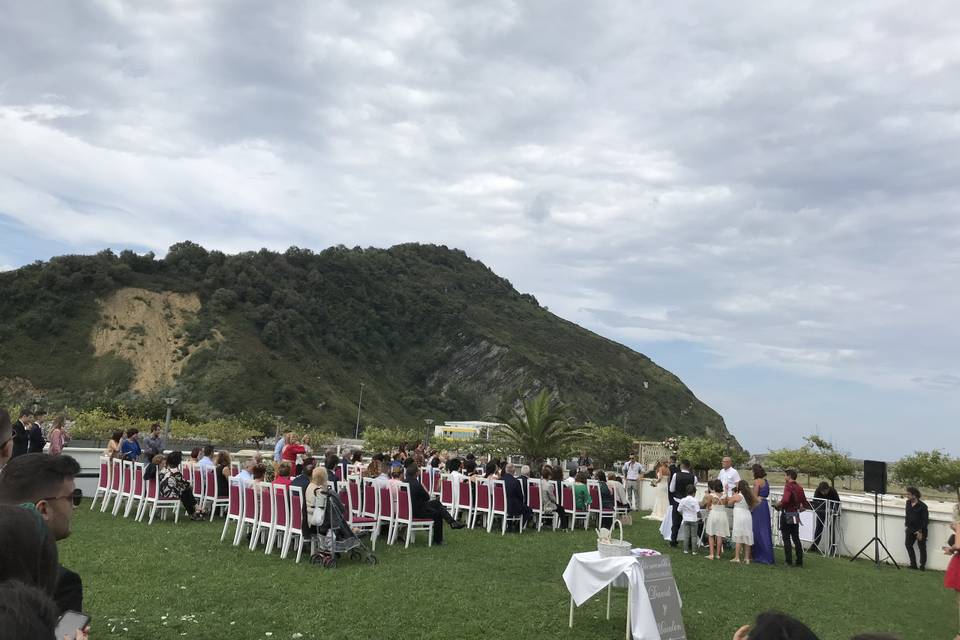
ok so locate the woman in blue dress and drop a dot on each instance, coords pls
(762, 532)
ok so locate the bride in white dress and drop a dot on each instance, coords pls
(661, 502)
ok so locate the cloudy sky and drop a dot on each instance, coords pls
(763, 197)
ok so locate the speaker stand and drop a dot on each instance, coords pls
(876, 541)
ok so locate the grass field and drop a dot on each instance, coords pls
(173, 581)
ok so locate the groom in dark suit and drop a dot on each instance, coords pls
(424, 507)
(678, 490)
(516, 505)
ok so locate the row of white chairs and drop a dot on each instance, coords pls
(122, 480)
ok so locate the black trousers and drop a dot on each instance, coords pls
(910, 539)
(675, 529)
(791, 538)
(433, 509)
(562, 515)
(188, 500)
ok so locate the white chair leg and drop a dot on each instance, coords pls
(299, 549)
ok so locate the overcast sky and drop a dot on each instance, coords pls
(763, 197)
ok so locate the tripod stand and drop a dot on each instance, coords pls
(876, 541)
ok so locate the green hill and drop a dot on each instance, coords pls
(430, 332)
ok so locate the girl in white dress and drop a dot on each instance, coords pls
(717, 527)
(662, 501)
(743, 502)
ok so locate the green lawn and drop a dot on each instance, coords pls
(172, 581)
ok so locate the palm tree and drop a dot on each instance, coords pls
(538, 430)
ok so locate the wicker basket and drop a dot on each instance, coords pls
(615, 547)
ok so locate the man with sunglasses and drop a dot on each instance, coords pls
(47, 482)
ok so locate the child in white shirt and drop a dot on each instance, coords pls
(689, 508)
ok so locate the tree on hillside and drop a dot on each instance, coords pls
(933, 469)
(607, 444)
(538, 430)
(817, 457)
(705, 454)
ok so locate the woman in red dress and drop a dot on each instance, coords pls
(951, 580)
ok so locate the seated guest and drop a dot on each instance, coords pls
(396, 479)
(283, 474)
(195, 455)
(319, 481)
(259, 473)
(174, 486)
(470, 469)
(28, 552)
(774, 626)
(615, 483)
(130, 449)
(516, 501)
(397, 462)
(356, 463)
(223, 474)
(453, 467)
(581, 494)
(47, 483)
(372, 470)
(207, 459)
(331, 464)
(491, 471)
(246, 470)
(606, 499)
(155, 464)
(423, 506)
(303, 479)
(28, 612)
(556, 477)
(549, 500)
(380, 480)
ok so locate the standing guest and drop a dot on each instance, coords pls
(293, 449)
(729, 477)
(113, 445)
(6, 439)
(951, 579)
(130, 449)
(223, 474)
(584, 460)
(743, 503)
(419, 457)
(282, 441)
(550, 499)
(632, 470)
(688, 508)
(207, 459)
(793, 502)
(423, 506)
(717, 527)
(666, 525)
(678, 490)
(174, 486)
(153, 444)
(21, 438)
(762, 531)
(674, 469)
(825, 499)
(47, 483)
(916, 520)
(35, 440)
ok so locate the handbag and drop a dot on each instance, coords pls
(319, 508)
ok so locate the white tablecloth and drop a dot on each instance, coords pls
(587, 574)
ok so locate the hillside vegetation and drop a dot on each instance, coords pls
(430, 332)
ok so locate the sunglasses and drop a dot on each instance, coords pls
(76, 497)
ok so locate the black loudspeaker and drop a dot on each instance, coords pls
(874, 476)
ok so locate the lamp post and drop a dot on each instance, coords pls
(426, 436)
(166, 429)
(356, 433)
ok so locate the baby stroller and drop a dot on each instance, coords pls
(334, 537)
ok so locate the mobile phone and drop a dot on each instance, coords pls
(69, 623)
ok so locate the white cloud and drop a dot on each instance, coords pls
(775, 183)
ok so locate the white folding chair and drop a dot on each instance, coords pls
(250, 515)
(266, 516)
(386, 513)
(211, 492)
(103, 482)
(405, 518)
(569, 503)
(463, 498)
(157, 503)
(360, 522)
(535, 501)
(234, 506)
(296, 523)
(481, 505)
(281, 518)
(138, 488)
(116, 473)
(499, 508)
(126, 483)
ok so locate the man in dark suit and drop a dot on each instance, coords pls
(424, 507)
(48, 483)
(20, 436)
(516, 505)
(678, 489)
(6, 439)
(35, 440)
